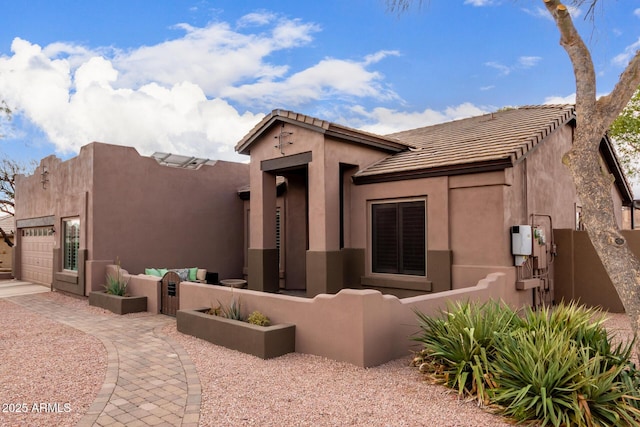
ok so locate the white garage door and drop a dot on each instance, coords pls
(37, 254)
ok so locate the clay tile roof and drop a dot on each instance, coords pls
(495, 140)
(388, 144)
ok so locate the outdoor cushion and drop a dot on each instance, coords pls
(152, 272)
(201, 275)
(183, 273)
(162, 271)
(192, 274)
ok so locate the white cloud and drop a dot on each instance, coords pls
(528, 61)
(541, 12)
(569, 99)
(151, 118)
(623, 58)
(213, 57)
(554, 99)
(330, 78)
(503, 69)
(379, 56)
(636, 12)
(190, 95)
(256, 19)
(384, 121)
(523, 63)
(479, 3)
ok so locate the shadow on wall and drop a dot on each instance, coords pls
(361, 327)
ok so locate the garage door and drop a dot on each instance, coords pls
(37, 254)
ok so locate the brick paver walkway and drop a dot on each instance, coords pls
(150, 379)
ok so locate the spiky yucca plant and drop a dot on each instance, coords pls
(551, 366)
(459, 345)
(556, 370)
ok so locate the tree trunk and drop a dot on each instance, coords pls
(592, 180)
(594, 192)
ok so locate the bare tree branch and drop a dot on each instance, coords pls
(5, 237)
(611, 106)
(580, 59)
(9, 169)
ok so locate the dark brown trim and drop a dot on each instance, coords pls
(450, 170)
(245, 194)
(36, 222)
(287, 162)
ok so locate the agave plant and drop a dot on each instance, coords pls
(459, 345)
(559, 368)
(232, 311)
(554, 366)
(116, 285)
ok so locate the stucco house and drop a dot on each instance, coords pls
(421, 211)
(319, 207)
(74, 217)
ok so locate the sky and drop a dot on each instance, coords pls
(192, 77)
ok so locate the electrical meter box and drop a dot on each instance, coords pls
(521, 240)
(521, 243)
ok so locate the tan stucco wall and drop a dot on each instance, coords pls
(316, 200)
(65, 194)
(170, 217)
(361, 327)
(145, 214)
(433, 190)
(579, 273)
(549, 186)
(323, 182)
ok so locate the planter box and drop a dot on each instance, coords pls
(118, 304)
(261, 341)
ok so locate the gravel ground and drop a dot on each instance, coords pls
(49, 372)
(304, 390)
(43, 361)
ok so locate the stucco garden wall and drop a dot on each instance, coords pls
(362, 327)
(579, 273)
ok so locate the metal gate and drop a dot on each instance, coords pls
(170, 299)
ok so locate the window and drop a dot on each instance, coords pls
(399, 238)
(71, 244)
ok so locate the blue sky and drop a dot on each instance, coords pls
(194, 76)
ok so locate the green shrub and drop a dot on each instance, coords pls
(116, 285)
(257, 318)
(552, 366)
(232, 311)
(459, 345)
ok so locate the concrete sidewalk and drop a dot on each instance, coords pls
(14, 287)
(150, 379)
